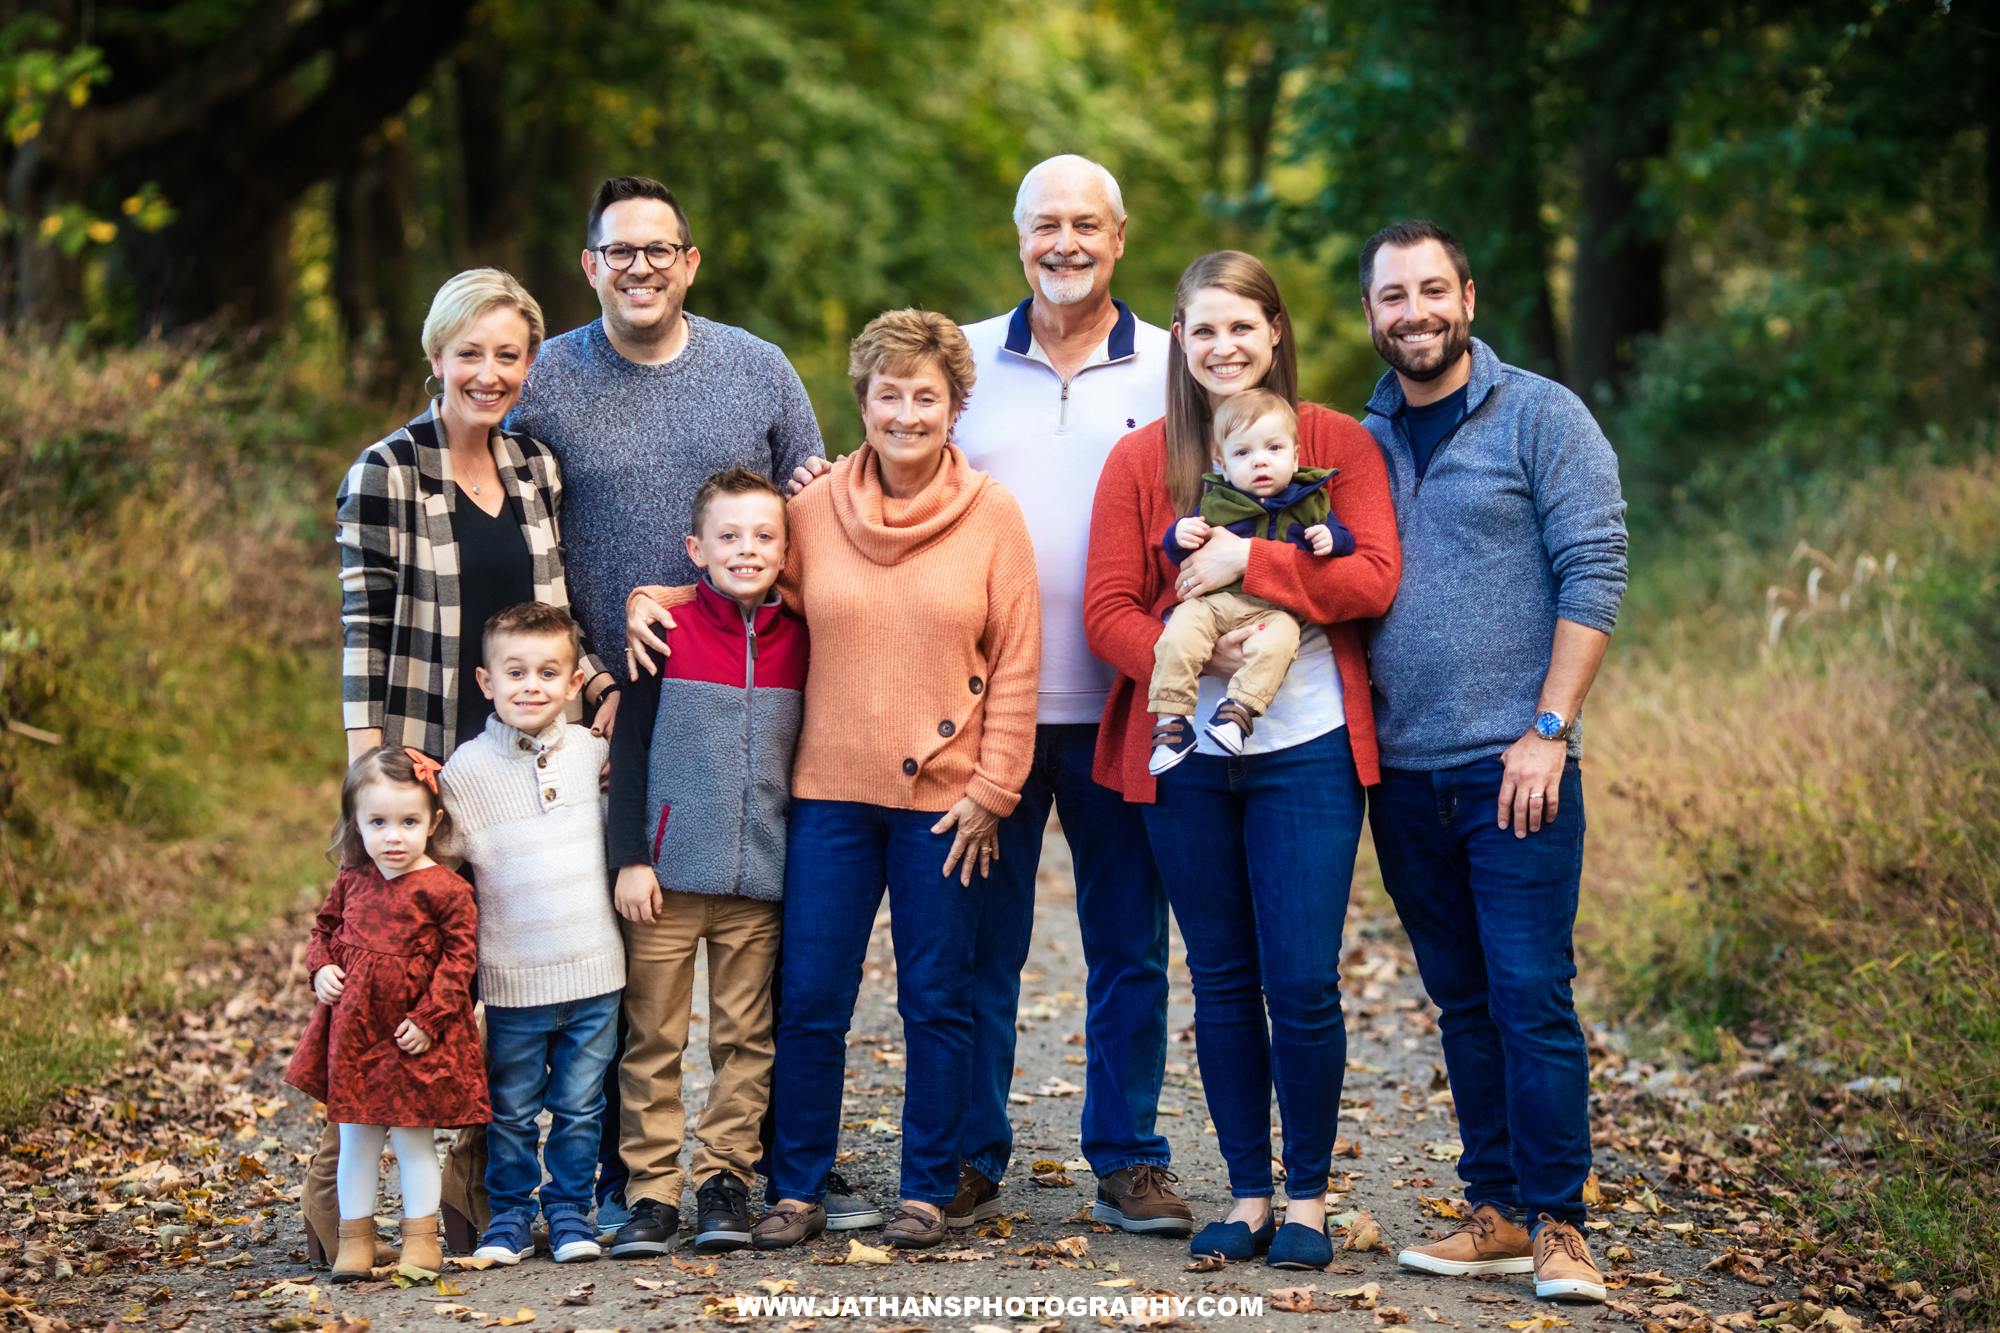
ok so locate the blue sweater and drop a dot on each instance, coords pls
(1518, 521)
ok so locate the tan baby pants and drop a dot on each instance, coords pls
(1189, 641)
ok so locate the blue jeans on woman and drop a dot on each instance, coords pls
(1489, 917)
(1258, 855)
(549, 1056)
(840, 856)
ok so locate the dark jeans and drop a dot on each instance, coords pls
(551, 1057)
(611, 1172)
(1123, 914)
(841, 854)
(1490, 916)
(1258, 856)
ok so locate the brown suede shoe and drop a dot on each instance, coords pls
(978, 1199)
(914, 1229)
(1564, 1270)
(787, 1225)
(1138, 1199)
(1485, 1242)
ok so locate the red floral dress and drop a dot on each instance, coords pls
(409, 947)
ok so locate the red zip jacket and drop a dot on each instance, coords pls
(1129, 589)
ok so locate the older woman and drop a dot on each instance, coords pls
(917, 579)
(1257, 849)
(442, 524)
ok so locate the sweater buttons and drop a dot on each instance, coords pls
(909, 768)
(976, 685)
(541, 761)
(548, 793)
(945, 728)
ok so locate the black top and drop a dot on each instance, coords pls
(1432, 424)
(495, 571)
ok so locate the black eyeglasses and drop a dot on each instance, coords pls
(660, 254)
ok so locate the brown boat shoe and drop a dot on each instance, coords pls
(1485, 1242)
(978, 1199)
(1138, 1199)
(787, 1225)
(1564, 1270)
(914, 1229)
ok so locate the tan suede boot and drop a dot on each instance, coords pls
(356, 1258)
(420, 1243)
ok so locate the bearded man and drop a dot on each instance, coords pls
(1513, 531)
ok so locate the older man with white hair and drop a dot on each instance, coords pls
(1062, 377)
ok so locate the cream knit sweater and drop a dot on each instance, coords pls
(530, 824)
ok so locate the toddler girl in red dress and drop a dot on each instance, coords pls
(391, 1047)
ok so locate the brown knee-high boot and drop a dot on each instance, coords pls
(357, 1249)
(465, 1208)
(319, 1201)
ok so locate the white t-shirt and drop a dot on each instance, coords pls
(1309, 704)
(1046, 442)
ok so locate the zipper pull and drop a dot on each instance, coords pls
(753, 643)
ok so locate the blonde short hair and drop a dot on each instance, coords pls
(1247, 408)
(466, 299)
(902, 342)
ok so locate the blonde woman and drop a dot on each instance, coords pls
(441, 525)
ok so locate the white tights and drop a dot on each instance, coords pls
(361, 1170)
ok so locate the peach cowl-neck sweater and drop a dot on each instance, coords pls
(926, 623)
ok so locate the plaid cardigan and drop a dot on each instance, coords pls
(399, 602)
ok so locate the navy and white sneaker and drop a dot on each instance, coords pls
(572, 1240)
(1173, 741)
(1229, 726)
(846, 1210)
(612, 1213)
(507, 1240)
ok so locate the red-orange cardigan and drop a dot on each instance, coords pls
(1130, 584)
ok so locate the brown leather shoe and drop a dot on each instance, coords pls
(978, 1199)
(787, 1225)
(1485, 1242)
(1564, 1270)
(1137, 1199)
(914, 1229)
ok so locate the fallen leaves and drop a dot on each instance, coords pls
(579, 1295)
(1361, 1231)
(1293, 1300)
(1051, 1175)
(1441, 1207)
(1057, 1087)
(1443, 1152)
(1207, 1263)
(857, 1253)
(523, 1316)
(1538, 1324)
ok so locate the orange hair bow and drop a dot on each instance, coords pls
(426, 767)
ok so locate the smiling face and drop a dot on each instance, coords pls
(396, 820)
(1228, 341)
(1419, 313)
(529, 677)
(484, 367)
(741, 545)
(908, 419)
(1261, 457)
(1071, 236)
(642, 305)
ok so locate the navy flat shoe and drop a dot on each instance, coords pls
(1299, 1246)
(1233, 1240)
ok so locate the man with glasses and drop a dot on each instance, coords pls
(641, 407)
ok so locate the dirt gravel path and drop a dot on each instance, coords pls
(1396, 1113)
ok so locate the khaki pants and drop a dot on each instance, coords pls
(742, 937)
(1189, 642)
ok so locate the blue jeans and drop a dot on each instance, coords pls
(840, 856)
(1258, 856)
(1490, 917)
(552, 1057)
(1123, 913)
(611, 1172)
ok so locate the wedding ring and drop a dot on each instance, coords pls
(1534, 796)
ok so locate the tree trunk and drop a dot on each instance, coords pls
(372, 279)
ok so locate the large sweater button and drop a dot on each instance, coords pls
(945, 728)
(977, 685)
(909, 768)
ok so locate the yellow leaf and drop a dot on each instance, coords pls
(1115, 1282)
(778, 1285)
(1593, 1193)
(446, 1287)
(1538, 1324)
(857, 1253)
(53, 222)
(101, 231)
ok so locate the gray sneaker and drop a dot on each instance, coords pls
(612, 1214)
(847, 1211)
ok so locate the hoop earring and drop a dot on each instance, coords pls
(428, 392)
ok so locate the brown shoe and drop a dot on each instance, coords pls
(978, 1199)
(1485, 1242)
(914, 1229)
(1137, 1199)
(420, 1243)
(356, 1256)
(787, 1225)
(1564, 1270)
